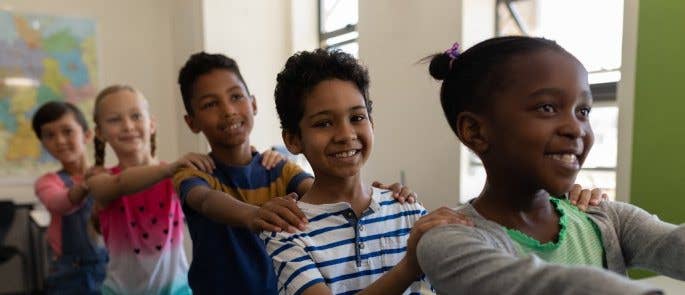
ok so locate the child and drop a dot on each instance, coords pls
(78, 262)
(522, 105)
(238, 193)
(359, 239)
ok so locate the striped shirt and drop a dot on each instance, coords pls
(344, 252)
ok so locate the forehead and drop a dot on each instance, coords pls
(333, 95)
(216, 80)
(122, 100)
(545, 69)
(65, 120)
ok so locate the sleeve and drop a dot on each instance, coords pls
(52, 192)
(295, 270)
(293, 175)
(648, 242)
(458, 260)
(186, 179)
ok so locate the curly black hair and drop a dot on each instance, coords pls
(303, 71)
(54, 110)
(470, 79)
(199, 64)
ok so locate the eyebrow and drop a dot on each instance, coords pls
(557, 92)
(326, 112)
(212, 94)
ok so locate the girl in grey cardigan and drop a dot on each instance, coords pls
(522, 105)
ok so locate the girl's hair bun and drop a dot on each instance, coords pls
(440, 66)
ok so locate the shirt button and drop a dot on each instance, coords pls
(361, 245)
(361, 227)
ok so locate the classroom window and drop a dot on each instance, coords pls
(338, 25)
(592, 31)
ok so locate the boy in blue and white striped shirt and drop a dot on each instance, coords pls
(359, 239)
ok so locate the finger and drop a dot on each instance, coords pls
(412, 198)
(405, 192)
(380, 185)
(272, 217)
(265, 226)
(584, 199)
(299, 216)
(596, 196)
(574, 193)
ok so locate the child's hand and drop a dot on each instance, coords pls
(441, 216)
(200, 162)
(582, 198)
(95, 170)
(270, 158)
(278, 214)
(399, 192)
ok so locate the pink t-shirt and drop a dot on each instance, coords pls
(53, 193)
(144, 236)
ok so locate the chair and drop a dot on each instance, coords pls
(7, 210)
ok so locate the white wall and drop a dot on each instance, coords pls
(257, 35)
(134, 41)
(411, 133)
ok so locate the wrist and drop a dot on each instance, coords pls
(409, 270)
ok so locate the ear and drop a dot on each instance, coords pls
(191, 123)
(88, 136)
(254, 104)
(153, 124)
(292, 142)
(472, 131)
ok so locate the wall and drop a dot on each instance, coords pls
(658, 137)
(133, 40)
(411, 134)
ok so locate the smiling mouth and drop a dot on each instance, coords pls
(568, 160)
(346, 154)
(232, 126)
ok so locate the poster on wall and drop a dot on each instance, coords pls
(42, 58)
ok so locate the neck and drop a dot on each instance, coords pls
(77, 167)
(239, 155)
(136, 159)
(326, 190)
(510, 205)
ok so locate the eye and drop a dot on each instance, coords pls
(237, 96)
(209, 104)
(358, 118)
(137, 116)
(584, 111)
(546, 108)
(113, 119)
(67, 131)
(323, 124)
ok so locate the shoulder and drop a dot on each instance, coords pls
(387, 202)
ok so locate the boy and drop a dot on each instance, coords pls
(240, 192)
(358, 238)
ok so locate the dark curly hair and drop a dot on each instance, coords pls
(54, 110)
(303, 71)
(476, 74)
(202, 63)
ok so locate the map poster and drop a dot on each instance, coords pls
(42, 58)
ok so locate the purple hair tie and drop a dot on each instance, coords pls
(453, 52)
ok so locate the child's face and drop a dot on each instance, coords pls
(540, 130)
(124, 122)
(222, 109)
(336, 134)
(65, 139)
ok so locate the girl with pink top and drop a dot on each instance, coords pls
(141, 218)
(77, 263)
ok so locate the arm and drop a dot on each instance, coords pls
(460, 260)
(58, 198)
(648, 242)
(106, 188)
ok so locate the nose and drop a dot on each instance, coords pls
(227, 107)
(573, 127)
(127, 123)
(345, 132)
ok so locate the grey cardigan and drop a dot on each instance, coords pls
(483, 259)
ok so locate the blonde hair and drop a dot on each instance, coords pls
(99, 144)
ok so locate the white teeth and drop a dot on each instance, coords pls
(234, 126)
(346, 154)
(566, 158)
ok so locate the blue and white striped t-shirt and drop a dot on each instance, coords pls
(345, 253)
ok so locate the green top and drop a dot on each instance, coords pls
(579, 241)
